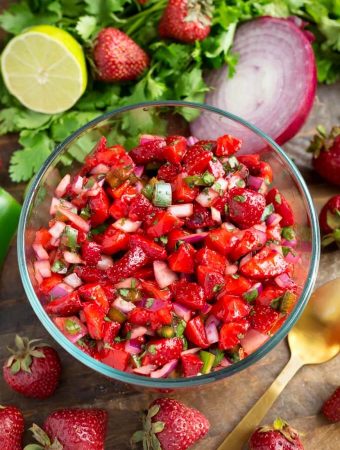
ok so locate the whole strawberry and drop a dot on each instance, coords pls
(72, 429)
(278, 436)
(331, 407)
(33, 369)
(326, 150)
(11, 428)
(170, 425)
(330, 221)
(186, 20)
(117, 57)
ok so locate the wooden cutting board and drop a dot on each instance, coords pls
(224, 403)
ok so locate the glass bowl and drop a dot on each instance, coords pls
(123, 126)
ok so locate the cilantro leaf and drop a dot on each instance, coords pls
(86, 26)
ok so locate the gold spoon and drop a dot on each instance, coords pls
(313, 340)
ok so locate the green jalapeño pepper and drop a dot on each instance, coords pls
(9, 218)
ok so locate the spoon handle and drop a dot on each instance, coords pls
(241, 433)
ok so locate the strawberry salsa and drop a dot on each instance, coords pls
(174, 259)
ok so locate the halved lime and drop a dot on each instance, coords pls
(45, 69)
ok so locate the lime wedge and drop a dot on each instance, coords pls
(45, 69)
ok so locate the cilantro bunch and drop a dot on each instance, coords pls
(176, 70)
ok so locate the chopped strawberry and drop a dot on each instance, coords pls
(94, 316)
(145, 273)
(90, 253)
(43, 237)
(230, 308)
(191, 365)
(118, 209)
(216, 168)
(211, 282)
(220, 202)
(221, 240)
(266, 263)
(182, 260)
(245, 207)
(90, 274)
(99, 207)
(269, 294)
(168, 172)
(174, 237)
(94, 293)
(64, 306)
(188, 294)
(112, 240)
(182, 192)
(153, 250)
(197, 159)
(175, 149)
(281, 206)
(140, 207)
(227, 145)
(162, 223)
(236, 285)
(248, 243)
(111, 330)
(251, 161)
(195, 332)
(207, 257)
(331, 407)
(49, 283)
(274, 233)
(117, 358)
(150, 151)
(263, 318)
(161, 351)
(201, 218)
(231, 333)
(133, 260)
(153, 319)
(151, 289)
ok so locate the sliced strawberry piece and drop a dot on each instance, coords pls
(207, 257)
(211, 282)
(200, 218)
(149, 152)
(99, 207)
(174, 237)
(269, 294)
(220, 202)
(168, 172)
(112, 240)
(236, 285)
(182, 192)
(182, 260)
(263, 318)
(188, 294)
(90, 274)
(274, 233)
(161, 351)
(230, 308)
(153, 250)
(119, 209)
(111, 330)
(195, 332)
(94, 316)
(43, 237)
(117, 358)
(140, 207)
(162, 223)
(265, 171)
(64, 306)
(94, 293)
(248, 243)
(175, 149)
(90, 253)
(251, 161)
(145, 273)
(197, 158)
(227, 145)
(245, 207)
(134, 259)
(221, 240)
(231, 333)
(49, 283)
(151, 289)
(281, 206)
(266, 263)
(191, 365)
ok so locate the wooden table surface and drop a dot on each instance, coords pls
(224, 403)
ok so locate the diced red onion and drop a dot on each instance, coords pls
(182, 311)
(94, 191)
(216, 168)
(277, 248)
(183, 210)
(149, 138)
(72, 258)
(127, 283)
(73, 280)
(77, 184)
(40, 252)
(273, 219)
(82, 316)
(224, 363)
(253, 340)
(255, 182)
(138, 171)
(138, 332)
(231, 269)
(284, 281)
(235, 181)
(191, 140)
(216, 214)
(62, 186)
(272, 52)
(245, 259)
(222, 184)
(212, 319)
(56, 203)
(57, 229)
(60, 290)
(153, 304)
(292, 258)
(191, 351)
(206, 199)
(127, 225)
(132, 347)
(123, 306)
(206, 308)
(163, 274)
(193, 238)
(260, 236)
(43, 268)
(99, 169)
(55, 242)
(145, 370)
(38, 277)
(211, 332)
(165, 370)
(260, 227)
(105, 262)
(291, 244)
(228, 226)
(256, 286)
(75, 219)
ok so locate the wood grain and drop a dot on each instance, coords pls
(224, 403)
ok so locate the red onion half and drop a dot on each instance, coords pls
(273, 88)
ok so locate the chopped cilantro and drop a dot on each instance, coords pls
(278, 199)
(250, 296)
(152, 349)
(239, 198)
(268, 210)
(288, 233)
(164, 239)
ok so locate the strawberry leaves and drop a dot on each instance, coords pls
(43, 439)
(150, 429)
(21, 358)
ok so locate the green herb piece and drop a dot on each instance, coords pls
(239, 198)
(207, 179)
(59, 267)
(268, 210)
(288, 233)
(147, 191)
(180, 328)
(71, 236)
(85, 213)
(250, 296)
(217, 288)
(72, 327)
(166, 332)
(219, 355)
(162, 195)
(152, 349)
(208, 361)
(278, 199)
(163, 239)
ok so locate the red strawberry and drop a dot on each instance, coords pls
(263, 318)
(189, 294)
(112, 240)
(33, 369)
(170, 425)
(90, 252)
(12, 427)
(168, 172)
(212, 259)
(221, 240)
(281, 206)
(175, 149)
(248, 243)
(326, 150)
(200, 218)
(236, 285)
(211, 281)
(90, 274)
(330, 221)
(73, 429)
(227, 145)
(140, 207)
(94, 316)
(149, 151)
(277, 436)
(186, 20)
(115, 357)
(161, 351)
(230, 308)
(245, 207)
(195, 332)
(117, 57)
(162, 223)
(331, 407)
(231, 333)
(93, 292)
(197, 158)
(182, 260)
(266, 263)
(134, 259)
(99, 206)
(153, 250)
(191, 365)
(64, 306)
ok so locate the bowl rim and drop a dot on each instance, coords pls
(139, 380)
